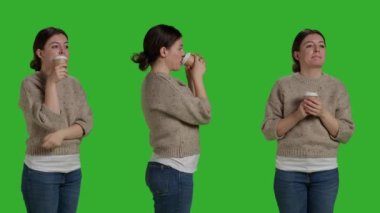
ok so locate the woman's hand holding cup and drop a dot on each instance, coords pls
(59, 71)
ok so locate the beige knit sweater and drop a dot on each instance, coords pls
(40, 121)
(309, 138)
(173, 115)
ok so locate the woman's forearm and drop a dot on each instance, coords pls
(330, 123)
(287, 123)
(51, 97)
(72, 132)
(190, 84)
(199, 88)
(57, 138)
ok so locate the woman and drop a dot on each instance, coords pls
(173, 112)
(57, 118)
(308, 129)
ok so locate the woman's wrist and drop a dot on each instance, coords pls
(324, 115)
(61, 133)
(50, 82)
(197, 78)
(298, 115)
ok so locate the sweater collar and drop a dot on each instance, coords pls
(41, 77)
(307, 80)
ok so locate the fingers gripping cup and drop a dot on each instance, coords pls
(59, 59)
(188, 60)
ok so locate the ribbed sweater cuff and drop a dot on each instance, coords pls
(302, 152)
(175, 153)
(68, 148)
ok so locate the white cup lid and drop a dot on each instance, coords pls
(187, 56)
(313, 94)
(59, 57)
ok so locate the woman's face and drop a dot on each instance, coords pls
(174, 55)
(312, 52)
(55, 45)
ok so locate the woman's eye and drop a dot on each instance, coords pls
(322, 46)
(54, 46)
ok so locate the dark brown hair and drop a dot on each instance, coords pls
(297, 45)
(39, 43)
(157, 37)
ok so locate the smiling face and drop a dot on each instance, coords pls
(312, 52)
(54, 46)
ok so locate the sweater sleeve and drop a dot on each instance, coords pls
(273, 113)
(84, 114)
(343, 116)
(31, 103)
(174, 100)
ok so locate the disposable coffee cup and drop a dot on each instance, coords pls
(59, 59)
(188, 59)
(311, 95)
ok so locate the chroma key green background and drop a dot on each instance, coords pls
(247, 47)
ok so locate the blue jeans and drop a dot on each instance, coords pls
(299, 192)
(50, 192)
(172, 190)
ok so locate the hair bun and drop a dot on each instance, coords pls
(141, 59)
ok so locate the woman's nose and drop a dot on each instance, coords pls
(62, 51)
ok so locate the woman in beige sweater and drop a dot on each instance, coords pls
(173, 112)
(57, 118)
(309, 114)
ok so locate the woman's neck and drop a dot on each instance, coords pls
(158, 66)
(312, 73)
(45, 70)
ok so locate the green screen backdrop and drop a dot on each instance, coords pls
(247, 47)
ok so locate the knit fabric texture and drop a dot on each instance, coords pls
(41, 121)
(309, 138)
(173, 115)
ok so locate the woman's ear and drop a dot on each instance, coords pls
(39, 53)
(163, 52)
(296, 55)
